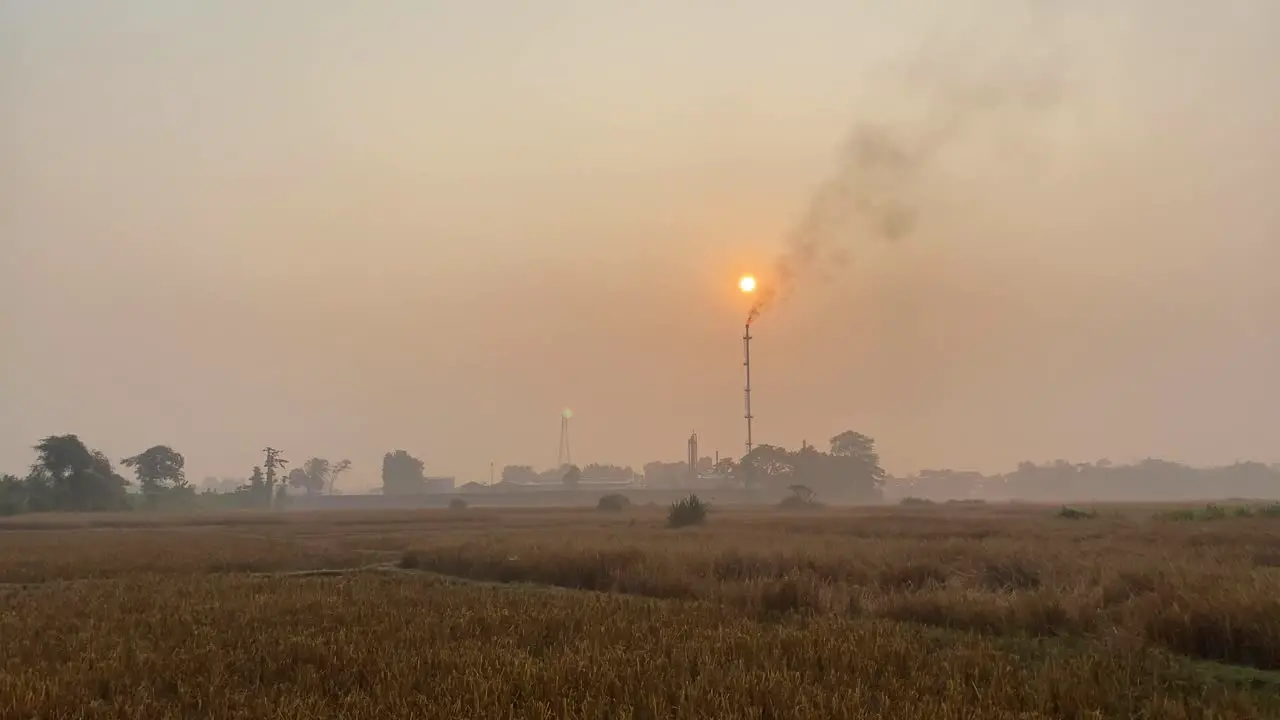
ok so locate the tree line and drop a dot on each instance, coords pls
(848, 470)
(69, 476)
(1151, 480)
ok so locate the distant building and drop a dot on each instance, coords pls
(437, 484)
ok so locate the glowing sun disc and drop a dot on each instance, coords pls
(747, 284)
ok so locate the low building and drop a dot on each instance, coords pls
(437, 484)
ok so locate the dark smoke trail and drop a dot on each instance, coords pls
(876, 192)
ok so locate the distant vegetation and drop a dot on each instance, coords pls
(1152, 479)
(1220, 512)
(67, 475)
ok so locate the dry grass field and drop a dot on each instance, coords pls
(943, 612)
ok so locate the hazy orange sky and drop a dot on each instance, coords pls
(343, 228)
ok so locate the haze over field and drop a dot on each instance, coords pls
(342, 228)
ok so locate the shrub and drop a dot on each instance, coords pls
(457, 504)
(801, 498)
(689, 511)
(1213, 512)
(909, 501)
(1071, 513)
(614, 502)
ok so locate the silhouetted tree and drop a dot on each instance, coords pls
(13, 495)
(402, 474)
(255, 492)
(766, 466)
(851, 472)
(297, 478)
(274, 463)
(573, 476)
(727, 467)
(856, 466)
(67, 475)
(312, 477)
(597, 471)
(553, 475)
(158, 468)
(341, 467)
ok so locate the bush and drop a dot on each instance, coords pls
(909, 501)
(801, 498)
(689, 511)
(613, 502)
(792, 502)
(1071, 513)
(1213, 512)
(457, 504)
(1218, 512)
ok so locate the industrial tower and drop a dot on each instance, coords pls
(564, 456)
(746, 351)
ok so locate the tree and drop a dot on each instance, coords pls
(553, 475)
(598, 471)
(851, 470)
(857, 466)
(312, 477)
(273, 464)
(13, 495)
(727, 467)
(853, 444)
(402, 474)
(767, 465)
(297, 478)
(341, 467)
(254, 491)
(159, 468)
(67, 475)
(573, 476)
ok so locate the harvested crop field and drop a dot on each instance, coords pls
(934, 612)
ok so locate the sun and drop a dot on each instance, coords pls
(747, 284)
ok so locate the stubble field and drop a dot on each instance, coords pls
(946, 612)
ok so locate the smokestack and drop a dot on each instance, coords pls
(746, 351)
(693, 455)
